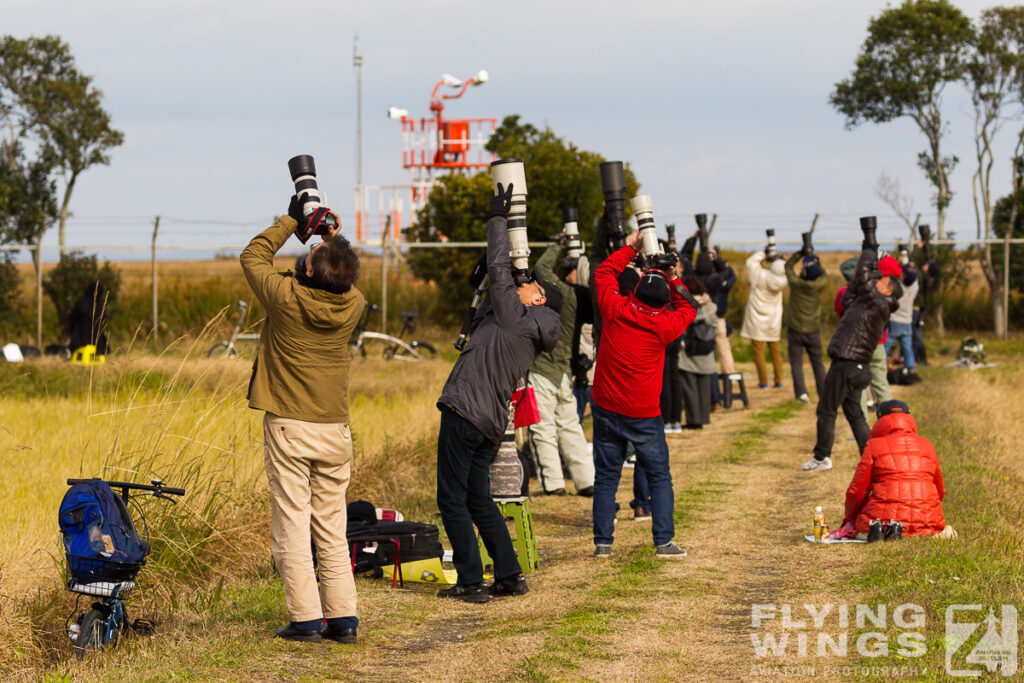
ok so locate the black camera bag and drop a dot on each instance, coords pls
(404, 541)
(699, 338)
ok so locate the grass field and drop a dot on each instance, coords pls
(741, 507)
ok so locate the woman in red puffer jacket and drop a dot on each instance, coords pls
(898, 477)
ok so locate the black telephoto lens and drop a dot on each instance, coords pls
(869, 226)
(808, 247)
(670, 230)
(613, 185)
(926, 232)
(702, 220)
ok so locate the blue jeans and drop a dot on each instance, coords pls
(904, 334)
(582, 395)
(611, 433)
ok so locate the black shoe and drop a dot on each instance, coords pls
(477, 592)
(586, 492)
(339, 635)
(556, 492)
(289, 632)
(876, 530)
(893, 530)
(513, 585)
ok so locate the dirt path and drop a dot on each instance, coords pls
(742, 505)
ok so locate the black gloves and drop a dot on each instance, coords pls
(501, 203)
(295, 207)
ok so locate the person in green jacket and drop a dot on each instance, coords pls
(559, 429)
(300, 378)
(803, 320)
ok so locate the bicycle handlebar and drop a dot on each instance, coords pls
(129, 486)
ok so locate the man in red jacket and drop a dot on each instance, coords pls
(898, 478)
(627, 391)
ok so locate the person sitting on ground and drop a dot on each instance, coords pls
(898, 478)
(88, 319)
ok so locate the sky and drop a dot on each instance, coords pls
(718, 107)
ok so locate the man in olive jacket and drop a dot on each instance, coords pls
(803, 320)
(300, 378)
(559, 429)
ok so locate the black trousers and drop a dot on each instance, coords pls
(671, 389)
(844, 382)
(697, 398)
(796, 343)
(464, 457)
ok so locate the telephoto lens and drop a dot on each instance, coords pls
(670, 230)
(770, 251)
(644, 213)
(570, 226)
(808, 247)
(511, 172)
(926, 233)
(869, 226)
(702, 230)
(303, 172)
(613, 185)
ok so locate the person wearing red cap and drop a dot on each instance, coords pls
(898, 479)
(867, 303)
(879, 386)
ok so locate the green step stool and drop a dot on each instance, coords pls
(524, 540)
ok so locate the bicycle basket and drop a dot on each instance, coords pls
(101, 577)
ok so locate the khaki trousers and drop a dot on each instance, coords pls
(559, 430)
(308, 467)
(762, 367)
(723, 347)
(879, 381)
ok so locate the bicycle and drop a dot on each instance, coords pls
(103, 625)
(226, 348)
(394, 347)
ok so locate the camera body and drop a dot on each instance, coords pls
(507, 172)
(613, 185)
(317, 219)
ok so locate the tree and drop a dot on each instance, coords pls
(993, 78)
(558, 174)
(73, 277)
(911, 53)
(888, 190)
(49, 102)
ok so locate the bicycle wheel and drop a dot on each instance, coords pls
(93, 634)
(222, 350)
(424, 349)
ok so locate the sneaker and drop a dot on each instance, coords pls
(876, 530)
(670, 551)
(893, 530)
(762, 386)
(641, 514)
(604, 551)
(803, 398)
(673, 428)
(346, 636)
(513, 585)
(586, 492)
(778, 385)
(477, 592)
(290, 632)
(817, 465)
(630, 461)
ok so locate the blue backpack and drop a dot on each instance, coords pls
(97, 529)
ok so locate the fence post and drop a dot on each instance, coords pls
(384, 276)
(1006, 283)
(156, 317)
(39, 292)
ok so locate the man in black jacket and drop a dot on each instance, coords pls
(868, 301)
(513, 326)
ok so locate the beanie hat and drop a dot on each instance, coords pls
(778, 267)
(887, 265)
(848, 268)
(892, 406)
(551, 291)
(652, 289)
(812, 268)
(705, 264)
